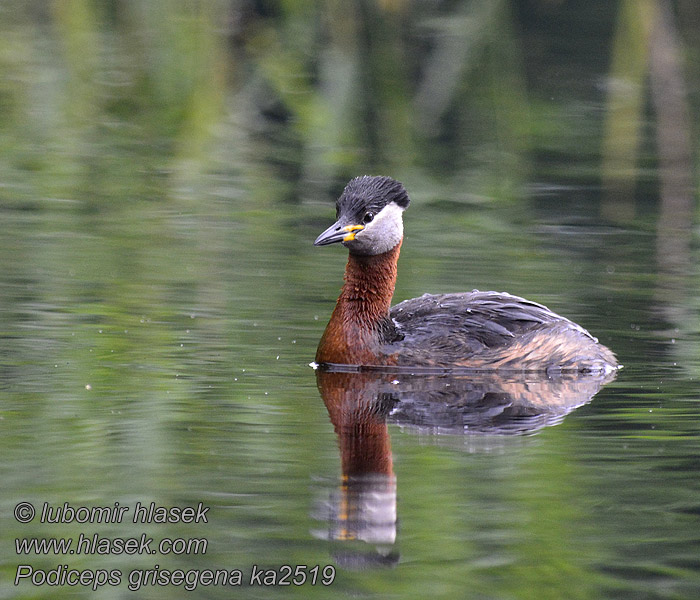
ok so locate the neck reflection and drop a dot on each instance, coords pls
(364, 507)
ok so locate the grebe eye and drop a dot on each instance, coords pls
(368, 218)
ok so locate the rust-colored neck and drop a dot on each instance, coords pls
(353, 404)
(354, 333)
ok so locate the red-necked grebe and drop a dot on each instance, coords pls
(473, 330)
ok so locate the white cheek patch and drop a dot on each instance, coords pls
(383, 233)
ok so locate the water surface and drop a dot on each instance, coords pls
(160, 298)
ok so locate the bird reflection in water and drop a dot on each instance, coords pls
(362, 511)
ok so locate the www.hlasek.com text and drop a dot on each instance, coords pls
(98, 545)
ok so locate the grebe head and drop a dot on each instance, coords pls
(369, 216)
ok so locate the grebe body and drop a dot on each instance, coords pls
(473, 330)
